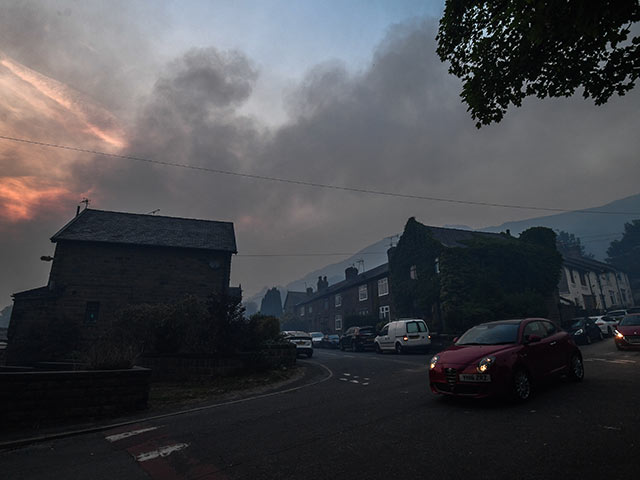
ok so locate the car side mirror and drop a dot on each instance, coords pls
(455, 339)
(533, 339)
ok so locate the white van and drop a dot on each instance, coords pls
(403, 335)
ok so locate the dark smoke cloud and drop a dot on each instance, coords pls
(398, 125)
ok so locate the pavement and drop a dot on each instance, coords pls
(371, 417)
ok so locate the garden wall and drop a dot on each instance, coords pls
(179, 367)
(31, 398)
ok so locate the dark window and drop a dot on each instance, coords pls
(91, 313)
(551, 328)
(534, 328)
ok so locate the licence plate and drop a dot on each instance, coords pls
(475, 377)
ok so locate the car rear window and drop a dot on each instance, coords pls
(415, 327)
(366, 330)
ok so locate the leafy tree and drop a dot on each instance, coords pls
(570, 246)
(271, 303)
(505, 50)
(624, 254)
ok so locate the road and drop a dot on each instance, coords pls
(372, 417)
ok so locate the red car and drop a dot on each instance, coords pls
(506, 357)
(627, 333)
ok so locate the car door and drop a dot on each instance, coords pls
(556, 350)
(536, 354)
(383, 339)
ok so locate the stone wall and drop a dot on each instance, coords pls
(181, 367)
(36, 397)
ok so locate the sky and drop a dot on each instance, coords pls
(345, 93)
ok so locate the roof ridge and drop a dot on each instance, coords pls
(156, 216)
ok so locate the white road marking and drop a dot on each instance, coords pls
(355, 381)
(365, 383)
(161, 452)
(344, 379)
(120, 436)
(606, 427)
(346, 374)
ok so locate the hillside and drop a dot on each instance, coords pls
(595, 231)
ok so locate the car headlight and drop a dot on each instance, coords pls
(618, 334)
(433, 362)
(579, 332)
(485, 363)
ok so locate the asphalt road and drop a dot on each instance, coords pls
(373, 417)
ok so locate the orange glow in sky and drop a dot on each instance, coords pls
(22, 198)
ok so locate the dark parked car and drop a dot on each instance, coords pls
(316, 339)
(507, 357)
(358, 338)
(584, 330)
(627, 333)
(331, 341)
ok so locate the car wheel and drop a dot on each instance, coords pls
(521, 385)
(576, 368)
(399, 349)
(378, 349)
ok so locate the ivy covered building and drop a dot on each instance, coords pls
(458, 278)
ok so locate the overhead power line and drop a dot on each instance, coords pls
(312, 184)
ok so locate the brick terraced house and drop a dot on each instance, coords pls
(106, 260)
(367, 294)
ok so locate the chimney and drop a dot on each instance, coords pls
(320, 284)
(351, 272)
(309, 291)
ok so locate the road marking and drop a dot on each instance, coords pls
(355, 381)
(161, 452)
(120, 436)
(365, 383)
(344, 379)
(346, 374)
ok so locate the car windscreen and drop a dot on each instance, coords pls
(317, 335)
(490, 334)
(415, 327)
(630, 320)
(576, 324)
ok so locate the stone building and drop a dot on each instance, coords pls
(105, 261)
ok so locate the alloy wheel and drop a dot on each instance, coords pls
(522, 385)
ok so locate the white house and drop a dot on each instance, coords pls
(594, 285)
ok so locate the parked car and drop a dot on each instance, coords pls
(633, 310)
(316, 339)
(584, 330)
(627, 333)
(605, 324)
(358, 338)
(508, 357)
(331, 341)
(302, 341)
(403, 335)
(617, 315)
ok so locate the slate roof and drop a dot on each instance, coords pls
(453, 237)
(152, 230)
(344, 284)
(588, 264)
(293, 298)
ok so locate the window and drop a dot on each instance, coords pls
(384, 331)
(384, 312)
(534, 328)
(363, 313)
(310, 309)
(326, 304)
(383, 287)
(362, 293)
(624, 295)
(613, 298)
(583, 281)
(302, 311)
(413, 272)
(437, 264)
(573, 280)
(91, 313)
(338, 300)
(338, 322)
(415, 327)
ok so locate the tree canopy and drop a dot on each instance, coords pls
(506, 50)
(571, 246)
